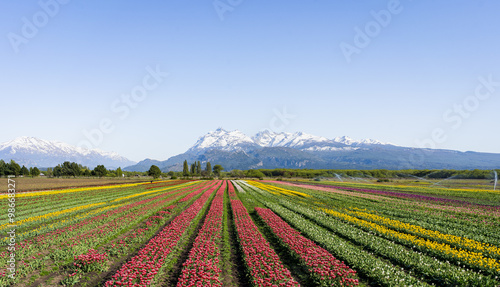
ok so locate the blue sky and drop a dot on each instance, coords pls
(417, 75)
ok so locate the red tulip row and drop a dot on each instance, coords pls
(123, 245)
(136, 207)
(262, 261)
(91, 261)
(202, 267)
(142, 268)
(326, 269)
(193, 194)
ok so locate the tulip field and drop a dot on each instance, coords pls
(251, 233)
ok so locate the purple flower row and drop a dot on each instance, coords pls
(408, 195)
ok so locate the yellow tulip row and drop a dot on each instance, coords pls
(52, 214)
(69, 190)
(418, 230)
(82, 207)
(272, 188)
(473, 258)
(57, 224)
(423, 188)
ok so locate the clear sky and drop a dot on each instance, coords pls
(404, 71)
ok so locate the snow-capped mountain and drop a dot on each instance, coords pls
(223, 140)
(237, 141)
(268, 150)
(31, 151)
(294, 140)
(349, 141)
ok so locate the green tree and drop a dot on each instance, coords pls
(34, 171)
(15, 169)
(68, 169)
(198, 168)
(119, 172)
(3, 167)
(208, 169)
(87, 173)
(100, 171)
(255, 173)
(57, 171)
(193, 169)
(217, 169)
(185, 169)
(25, 171)
(237, 173)
(75, 169)
(154, 171)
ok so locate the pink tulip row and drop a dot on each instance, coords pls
(142, 268)
(326, 269)
(262, 261)
(202, 267)
(230, 191)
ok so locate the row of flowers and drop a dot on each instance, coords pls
(68, 190)
(277, 190)
(472, 259)
(432, 269)
(266, 268)
(202, 266)
(326, 269)
(458, 241)
(414, 196)
(142, 268)
(63, 243)
(462, 227)
(375, 269)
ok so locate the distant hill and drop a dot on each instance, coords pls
(30, 151)
(235, 150)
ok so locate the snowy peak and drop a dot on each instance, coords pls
(352, 142)
(42, 153)
(32, 144)
(236, 141)
(294, 140)
(224, 140)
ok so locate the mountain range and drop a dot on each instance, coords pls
(31, 152)
(266, 149)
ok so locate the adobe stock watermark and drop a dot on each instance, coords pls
(223, 6)
(363, 36)
(280, 120)
(454, 117)
(11, 235)
(32, 25)
(122, 107)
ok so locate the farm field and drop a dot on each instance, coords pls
(252, 233)
(45, 183)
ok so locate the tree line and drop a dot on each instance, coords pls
(68, 169)
(13, 168)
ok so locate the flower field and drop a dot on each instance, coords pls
(252, 233)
